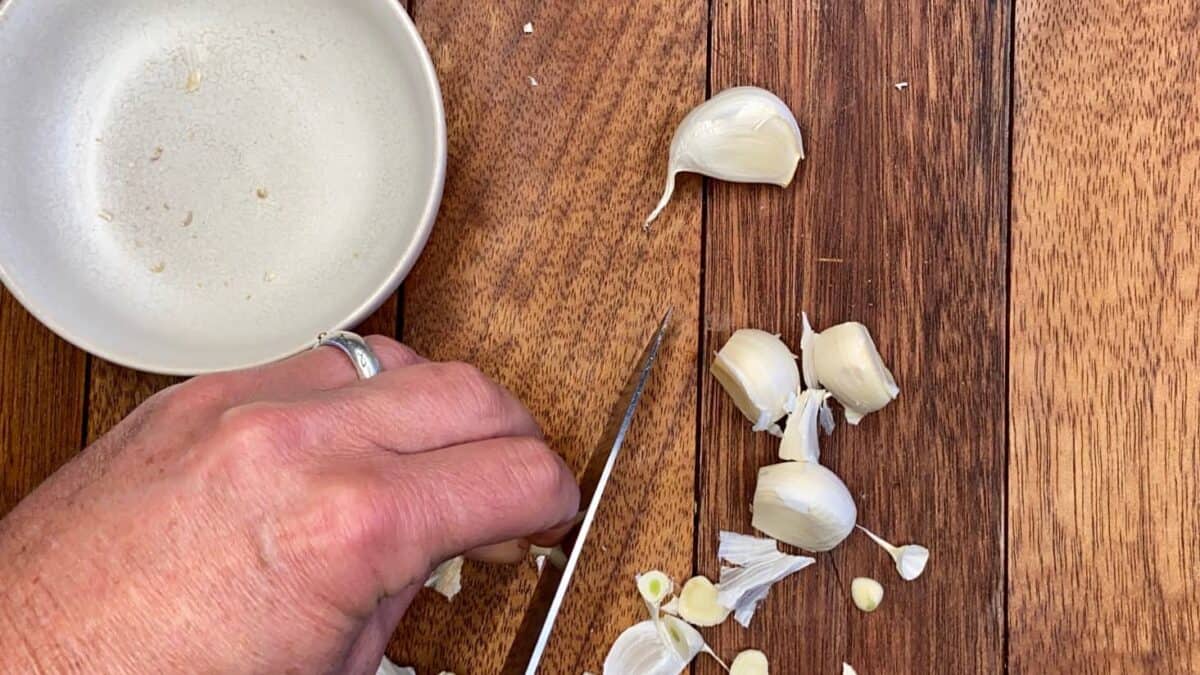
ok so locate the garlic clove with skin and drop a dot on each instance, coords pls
(760, 374)
(844, 360)
(698, 603)
(749, 662)
(742, 135)
(910, 559)
(800, 438)
(803, 504)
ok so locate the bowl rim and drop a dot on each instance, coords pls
(404, 264)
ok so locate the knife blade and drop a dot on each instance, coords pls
(525, 654)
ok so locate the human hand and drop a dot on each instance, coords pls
(273, 520)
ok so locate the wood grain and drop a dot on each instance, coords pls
(539, 272)
(1105, 302)
(41, 402)
(897, 219)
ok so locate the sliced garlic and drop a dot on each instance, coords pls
(698, 603)
(386, 667)
(743, 135)
(803, 504)
(447, 578)
(800, 439)
(642, 650)
(759, 373)
(844, 360)
(654, 586)
(910, 558)
(742, 549)
(749, 662)
(867, 593)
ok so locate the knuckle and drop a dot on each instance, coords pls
(256, 425)
(198, 393)
(541, 472)
(391, 353)
(471, 386)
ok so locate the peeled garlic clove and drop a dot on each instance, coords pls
(447, 578)
(742, 549)
(749, 662)
(800, 439)
(743, 135)
(844, 360)
(698, 603)
(643, 650)
(759, 373)
(739, 583)
(910, 559)
(867, 593)
(803, 504)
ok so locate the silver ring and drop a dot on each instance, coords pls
(352, 345)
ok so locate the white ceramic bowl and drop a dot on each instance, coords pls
(197, 185)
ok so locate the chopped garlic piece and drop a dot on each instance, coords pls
(654, 586)
(743, 549)
(672, 607)
(527, 28)
(447, 578)
(749, 662)
(910, 559)
(642, 650)
(698, 603)
(867, 593)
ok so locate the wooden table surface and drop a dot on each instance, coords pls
(1017, 227)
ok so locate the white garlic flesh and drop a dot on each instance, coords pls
(847, 669)
(749, 662)
(742, 135)
(698, 603)
(800, 438)
(642, 650)
(760, 374)
(803, 504)
(654, 587)
(910, 559)
(866, 593)
(844, 360)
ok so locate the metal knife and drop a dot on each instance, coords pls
(525, 654)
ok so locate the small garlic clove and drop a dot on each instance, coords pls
(742, 549)
(803, 504)
(743, 135)
(759, 373)
(749, 662)
(698, 603)
(447, 578)
(910, 559)
(642, 650)
(386, 667)
(844, 360)
(866, 593)
(800, 438)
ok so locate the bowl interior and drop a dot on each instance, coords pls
(190, 186)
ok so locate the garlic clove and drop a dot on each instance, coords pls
(866, 593)
(698, 603)
(743, 135)
(910, 559)
(642, 650)
(654, 586)
(742, 549)
(447, 578)
(386, 667)
(736, 583)
(845, 360)
(759, 373)
(803, 504)
(800, 438)
(749, 662)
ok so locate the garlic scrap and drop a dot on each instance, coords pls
(744, 612)
(803, 504)
(743, 135)
(910, 558)
(742, 549)
(847, 669)
(447, 578)
(698, 603)
(654, 586)
(760, 374)
(845, 360)
(800, 439)
(749, 662)
(742, 588)
(866, 593)
(386, 667)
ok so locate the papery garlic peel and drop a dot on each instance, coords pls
(844, 360)
(742, 135)
(803, 504)
(749, 662)
(801, 438)
(760, 374)
(698, 603)
(866, 593)
(910, 559)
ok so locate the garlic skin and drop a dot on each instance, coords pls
(760, 374)
(742, 135)
(749, 662)
(698, 603)
(386, 667)
(910, 559)
(866, 593)
(447, 578)
(800, 438)
(803, 504)
(845, 360)
(742, 549)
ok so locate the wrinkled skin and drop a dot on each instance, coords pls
(273, 520)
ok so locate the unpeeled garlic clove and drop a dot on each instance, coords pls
(749, 662)
(844, 360)
(800, 438)
(803, 504)
(910, 559)
(698, 603)
(742, 135)
(760, 374)
(866, 593)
